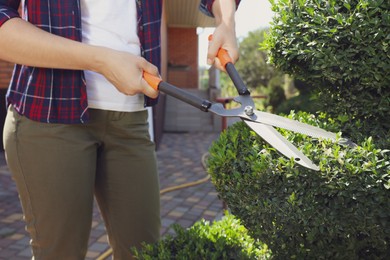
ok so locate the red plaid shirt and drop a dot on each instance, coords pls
(59, 96)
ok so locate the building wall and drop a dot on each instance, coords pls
(183, 57)
(5, 76)
(5, 73)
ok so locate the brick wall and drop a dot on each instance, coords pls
(5, 76)
(5, 73)
(183, 57)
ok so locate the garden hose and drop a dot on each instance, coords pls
(108, 252)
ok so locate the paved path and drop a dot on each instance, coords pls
(179, 158)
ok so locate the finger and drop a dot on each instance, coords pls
(218, 65)
(233, 54)
(148, 90)
(150, 68)
(212, 52)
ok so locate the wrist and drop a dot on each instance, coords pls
(224, 12)
(96, 59)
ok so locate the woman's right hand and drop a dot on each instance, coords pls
(125, 71)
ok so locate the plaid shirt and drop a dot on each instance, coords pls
(59, 96)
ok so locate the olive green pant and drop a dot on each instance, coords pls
(59, 168)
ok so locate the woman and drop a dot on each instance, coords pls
(77, 125)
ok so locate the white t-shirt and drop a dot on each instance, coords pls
(111, 24)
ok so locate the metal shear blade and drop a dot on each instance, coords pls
(246, 111)
(262, 123)
(281, 144)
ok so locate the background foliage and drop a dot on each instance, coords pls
(342, 49)
(339, 212)
(262, 78)
(253, 66)
(306, 100)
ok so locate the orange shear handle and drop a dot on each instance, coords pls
(222, 55)
(152, 80)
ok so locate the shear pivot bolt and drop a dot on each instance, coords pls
(248, 110)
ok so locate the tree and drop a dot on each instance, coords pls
(253, 66)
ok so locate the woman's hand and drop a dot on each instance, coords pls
(125, 71)
(224, 35)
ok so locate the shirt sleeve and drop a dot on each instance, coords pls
(206, 6)
(8, 10)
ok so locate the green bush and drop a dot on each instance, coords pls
(342, 49)
(224, 239)
(341, 211)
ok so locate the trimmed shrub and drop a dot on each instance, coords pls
(224, 239)
(339, 212)
(342, 49)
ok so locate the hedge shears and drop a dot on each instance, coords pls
(261, 122)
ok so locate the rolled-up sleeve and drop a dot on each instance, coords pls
(206, 6)
(8, 10)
